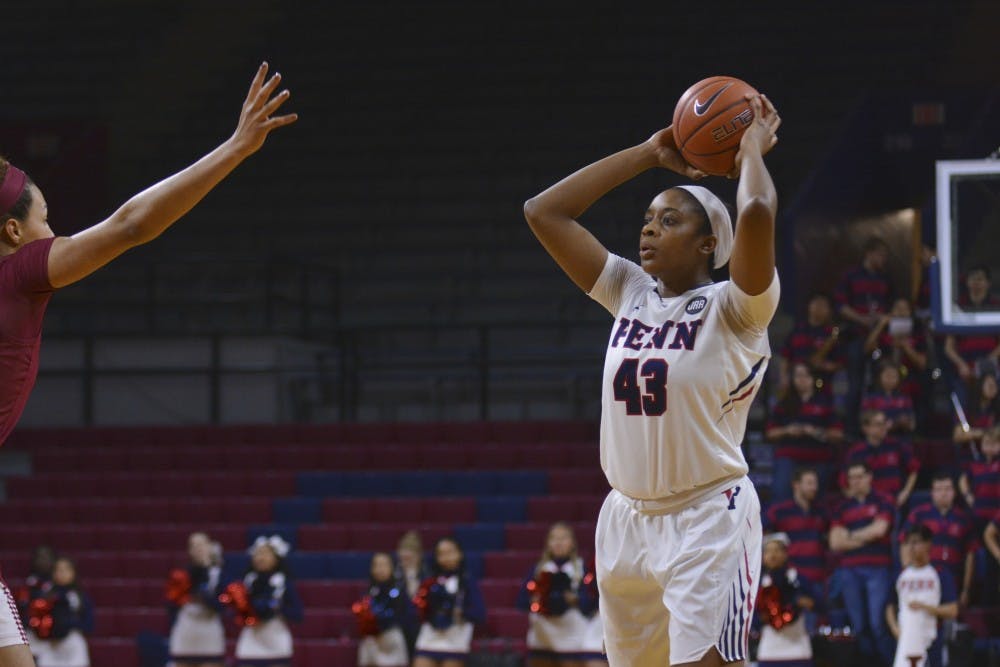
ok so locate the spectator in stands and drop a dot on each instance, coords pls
(66, 620)
(804, 522)
(886, 397)
(782, 601)
(973, 355)
(37, 584)
(923, 595)
(980, 481)
(381, 615)
(271, 601)
(804, 431)
(410, 565)
(980, 484)
(863, 294)
(197, 637)
(860, 530)
(953, 531)
(983, 413)
(899, 338)
(891, 461)
(557, 596)
(991, 538)
(450, 605)
(411, 569)
(815, 342)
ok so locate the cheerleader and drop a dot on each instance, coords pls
(557, 595)
(449, 604)
(381, 616)
(62, 621)
(36, 585)
(264, 601)
(887, 396)
(197, 638)
(781, 599)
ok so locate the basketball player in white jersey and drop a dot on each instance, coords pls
(679, 537)
(925, 595)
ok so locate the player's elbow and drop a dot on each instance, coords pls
(532, 212)
(759, 209)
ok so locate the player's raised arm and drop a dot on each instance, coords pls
(146, 215)
(552, 214)
(751, 265)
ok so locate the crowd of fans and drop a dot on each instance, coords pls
(857, 375)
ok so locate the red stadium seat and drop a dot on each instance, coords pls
(348, 510)
(509, 564)
(449, 510)
(324, 537)
(398, 509)
(313, 653)
(106, 651)
(335, 594)
(443, 457)
(130, 621)
(507, 623)
(499, 593)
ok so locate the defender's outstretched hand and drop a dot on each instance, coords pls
(256, 120)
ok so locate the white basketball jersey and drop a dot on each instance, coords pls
(917, 629)
(679, 377)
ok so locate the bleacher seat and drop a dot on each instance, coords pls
(128, 525)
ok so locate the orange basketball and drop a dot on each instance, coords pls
(709, 121)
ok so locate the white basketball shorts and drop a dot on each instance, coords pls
(11, 630)
(679, 583)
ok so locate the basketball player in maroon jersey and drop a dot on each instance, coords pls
(34, 263)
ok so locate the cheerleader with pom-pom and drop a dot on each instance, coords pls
(61, 618)
(559, 596)
(449, 604)
(264, 602)
(36, 585)
(197, 637)
(783, 595)
(381, 615)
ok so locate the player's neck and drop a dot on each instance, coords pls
(802, 502)
(670, 287)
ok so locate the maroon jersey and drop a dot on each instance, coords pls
(24, 293)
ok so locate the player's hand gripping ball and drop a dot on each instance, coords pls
(709, 121)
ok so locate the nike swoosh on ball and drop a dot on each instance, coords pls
(700, 108)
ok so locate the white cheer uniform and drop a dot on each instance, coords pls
(917, 628)
(681, 529)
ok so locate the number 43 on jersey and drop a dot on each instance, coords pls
(643, 389)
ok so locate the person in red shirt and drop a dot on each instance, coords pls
(971, 354)
(34, 263)
(898, 338)
(892, 462)
(982, 413)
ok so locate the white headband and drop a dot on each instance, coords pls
(718, 217)
(279, 546)
(781, 538)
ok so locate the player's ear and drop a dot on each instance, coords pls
(10, 233)
(708, 244)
